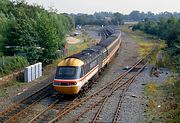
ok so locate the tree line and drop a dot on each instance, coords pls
(102, 18)
(32, 31)
(109, 18)
(167, 29)
(140, 16)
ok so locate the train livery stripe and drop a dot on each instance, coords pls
(77, 80)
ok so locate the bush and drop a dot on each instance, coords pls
(32, 31)
(12, 63)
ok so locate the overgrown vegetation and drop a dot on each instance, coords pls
(8, 64)
(163, 101)
(167, 29)
(145, 42)
(31, 31)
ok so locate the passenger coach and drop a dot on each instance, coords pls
(73, 72)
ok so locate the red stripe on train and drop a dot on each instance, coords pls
(76, 80)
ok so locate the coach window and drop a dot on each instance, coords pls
(102, 56)
(93, 64)
(106, 53)
(82, 72)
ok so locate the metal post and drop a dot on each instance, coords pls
(3, 60)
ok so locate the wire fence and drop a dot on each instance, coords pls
(4, 60)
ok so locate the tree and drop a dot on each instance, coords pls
(117, 19)
(32, 31)
(135, 15)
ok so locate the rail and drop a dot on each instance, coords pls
(99, 97)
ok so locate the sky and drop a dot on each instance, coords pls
(122, 6)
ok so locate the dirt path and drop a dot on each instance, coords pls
(72, 40)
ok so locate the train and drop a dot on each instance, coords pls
(75, 71)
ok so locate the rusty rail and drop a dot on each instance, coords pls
(108, 86)
(22, 106)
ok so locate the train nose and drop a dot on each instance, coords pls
(67, 89)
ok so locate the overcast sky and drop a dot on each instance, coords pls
(122, 6)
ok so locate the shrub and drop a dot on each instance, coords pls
(10, 64)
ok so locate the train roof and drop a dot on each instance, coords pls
(108, 41)
(89, 54)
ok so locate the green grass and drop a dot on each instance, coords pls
(146, 43)
(11, 63)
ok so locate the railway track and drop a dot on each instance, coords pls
(14, 111)
(124, 87)
(61, 104)
(76, 107)
(96, 101)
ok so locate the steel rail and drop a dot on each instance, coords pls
(67, 107)
(10, 108)
(96, 93)
(103, 101)
(117, 112)
(49, 107)
(26, 108)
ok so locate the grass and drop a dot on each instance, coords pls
(9, 64)
(162, 104)
(3, 92)
(146, 43)
(140, 37)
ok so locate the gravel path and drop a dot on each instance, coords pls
(134, 104)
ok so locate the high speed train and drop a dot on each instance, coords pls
(74, 71)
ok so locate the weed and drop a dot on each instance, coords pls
(163, 101)
(151, 87)
(2, 92)
(12, 63)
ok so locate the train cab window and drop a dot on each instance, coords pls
(67, 72)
